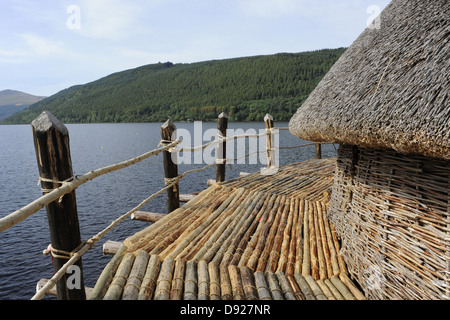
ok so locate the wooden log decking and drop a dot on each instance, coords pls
(256, 237)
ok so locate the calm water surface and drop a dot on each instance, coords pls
(102, 200)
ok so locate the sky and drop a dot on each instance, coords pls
(49, 45)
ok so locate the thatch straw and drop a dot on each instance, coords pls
(389, 90)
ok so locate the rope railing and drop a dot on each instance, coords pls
(68, 185)
(76, 254)
(219, 140)
(73, 183)
(77, 181)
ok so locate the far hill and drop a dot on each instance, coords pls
(245, 88)
(13, 101)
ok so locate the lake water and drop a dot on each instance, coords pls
(104, 199)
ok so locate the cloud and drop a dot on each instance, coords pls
(42, 46)
(13, 56)
(110, 19)
(270, 8)
(328, 12)
(29, 46)
(14, 53)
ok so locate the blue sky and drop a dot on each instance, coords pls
(49, 45)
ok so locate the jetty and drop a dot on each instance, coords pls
(372, 223)
(264, 235)
(257, 237)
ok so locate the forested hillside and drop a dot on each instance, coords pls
(13, 101)
(245, 88)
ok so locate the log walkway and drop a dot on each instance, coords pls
(256, 237)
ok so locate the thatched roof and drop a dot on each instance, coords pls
(390, 88)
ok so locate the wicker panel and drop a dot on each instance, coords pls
(342, 187)
(395, 230)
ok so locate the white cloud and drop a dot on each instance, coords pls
(36, 40)
(270, 8)
(327, 11)
(42, 46)
(13, 53)
(110, 19)
(28, 47)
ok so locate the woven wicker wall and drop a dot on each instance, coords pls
(392, 214)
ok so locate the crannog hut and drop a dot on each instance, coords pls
(385, 101)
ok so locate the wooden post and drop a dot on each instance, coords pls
(318, 150)
(222, 125)
(51, 140)
(268, 122)
(170, 167)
